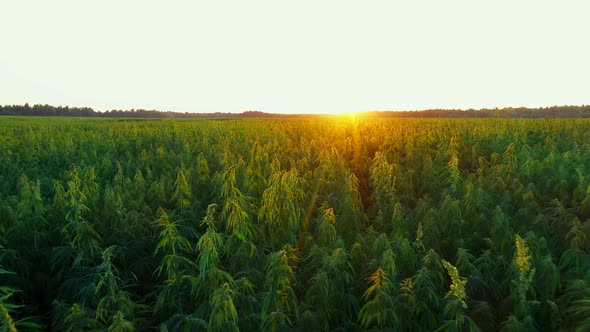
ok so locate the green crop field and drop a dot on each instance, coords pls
(344, 224)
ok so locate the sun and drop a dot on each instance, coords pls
(344, 113)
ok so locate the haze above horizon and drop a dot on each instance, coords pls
(294, 57)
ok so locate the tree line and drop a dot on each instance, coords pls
(582, 111)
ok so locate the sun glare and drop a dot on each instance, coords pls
(350, 116)
(344, 114)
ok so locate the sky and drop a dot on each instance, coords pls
(295, 56)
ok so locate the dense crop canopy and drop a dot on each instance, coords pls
(294, 224)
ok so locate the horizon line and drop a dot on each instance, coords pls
(279, 113)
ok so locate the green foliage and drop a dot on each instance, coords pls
(345, 224)
(378, 310)
(223, 313)
(524, 273)
(456, 301)
(172, 245)
(209, 246)
(383, 182)
(326, 230)
(174, 250)
(280, 206)
(115, 304)
(30, 211)
(8, 309)
(182, 192)
(352, 218)
(280, 302)
(237, 214)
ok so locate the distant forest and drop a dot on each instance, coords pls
(509, 112)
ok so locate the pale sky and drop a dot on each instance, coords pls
(294, 56)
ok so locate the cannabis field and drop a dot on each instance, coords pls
(294, 224)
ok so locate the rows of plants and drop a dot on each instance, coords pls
(294, 224)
